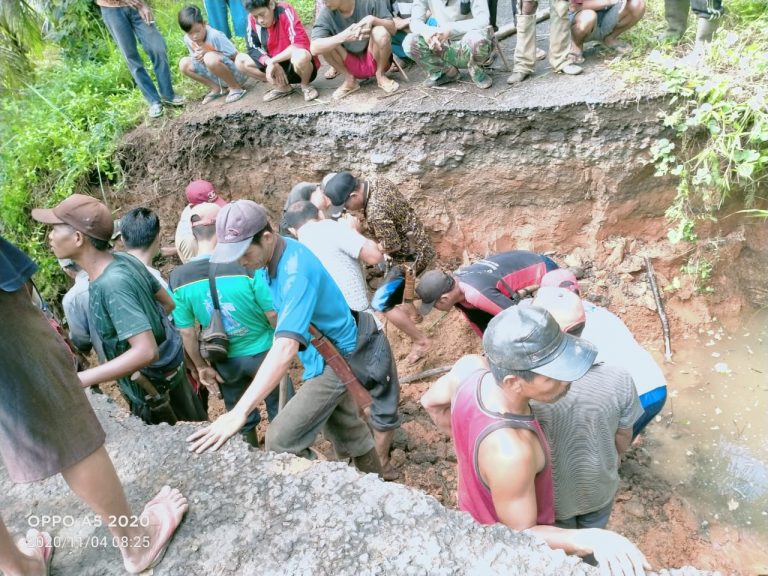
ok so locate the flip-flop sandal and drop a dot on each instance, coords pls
(619, 47)
(310, 93)
(166, 531)
(344, 91)
(234, 96)
(576, 58)
(274, 94)
(390, 86)
(211, 96)
(39, 542)
(331, 73)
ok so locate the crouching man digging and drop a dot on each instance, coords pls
(504, 461)
(354, 36)
(303, 294)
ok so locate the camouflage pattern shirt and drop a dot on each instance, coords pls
(393, 222)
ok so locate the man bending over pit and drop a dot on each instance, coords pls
(504, 461)
(484, 288)
(278, 50)
(447, 35)
(354, 36)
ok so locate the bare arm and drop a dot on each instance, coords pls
(623, 440)
(437, 400)
(271, 317)
(274, 367)
(143, 351)
(370, 253)
(165, 299)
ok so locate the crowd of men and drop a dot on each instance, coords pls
(374, 39)
(539, 422)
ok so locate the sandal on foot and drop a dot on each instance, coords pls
(444, 78)
(234, 96)
(310, 93)
(570, 69)
(344, 91)
(41, 546)
(540, 54)
(166, 509)
(619, 47)
(576, 58)
(331, 73)
(389, 86)
(212, 95)
(276, 93)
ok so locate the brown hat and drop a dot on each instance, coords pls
(236, 225)
(84, 213)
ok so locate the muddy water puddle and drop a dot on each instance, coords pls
(712, 441)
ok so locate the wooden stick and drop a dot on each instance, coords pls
(499, 51)
(660, 310)
(425, 374)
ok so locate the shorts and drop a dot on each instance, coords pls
(290, 72)
(596, 519)
(606, 22)
(46, 422)
(361, 66)
(200, 69)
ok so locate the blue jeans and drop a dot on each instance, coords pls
(125, 25)
(652, 403)
(217, 16)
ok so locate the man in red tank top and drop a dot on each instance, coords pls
(503, 456)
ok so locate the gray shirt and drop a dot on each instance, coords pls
(82, 332)
(331, 22)
(581, 428)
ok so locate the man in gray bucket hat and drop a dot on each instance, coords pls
(504, 461)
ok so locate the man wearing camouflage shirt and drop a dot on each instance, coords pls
(392, 221)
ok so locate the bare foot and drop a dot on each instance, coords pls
(418, 351)
(165, 512)
(389, 472)
(38, 547)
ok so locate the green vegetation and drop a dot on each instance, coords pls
(720, 118)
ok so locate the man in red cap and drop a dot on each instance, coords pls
(197, 192)
(128, 307)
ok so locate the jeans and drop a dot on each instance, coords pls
(125, 25)
(238, 373)
(652, 403)
(217, 16)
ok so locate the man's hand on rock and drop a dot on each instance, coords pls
(213, 437)
(616, 556)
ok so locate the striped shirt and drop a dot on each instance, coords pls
(581, 428)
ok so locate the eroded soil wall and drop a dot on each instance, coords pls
(575, 180)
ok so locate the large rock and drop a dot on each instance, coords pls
(261, 513)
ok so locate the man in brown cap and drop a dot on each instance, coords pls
(304, 294)
(127, 306)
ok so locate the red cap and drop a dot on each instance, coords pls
(199, 191)
(84, 213)
(561, 278)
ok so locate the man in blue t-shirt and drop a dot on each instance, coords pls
(303, 293)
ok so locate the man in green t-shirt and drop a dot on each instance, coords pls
(128, 308)
(246, 309)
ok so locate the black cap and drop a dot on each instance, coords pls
(338, 189)
(431, 287)
(529, 338)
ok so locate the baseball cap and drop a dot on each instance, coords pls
(199, 191)
(564, 305)
(326, 179)
(338, 188)
(236, 224)
(561, 278)
(84, 213)
(529, 338)
(430, 287)
(204, 214)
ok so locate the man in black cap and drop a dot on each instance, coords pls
(128, 307)
(393, 223)
(504, 461)
(484, 288)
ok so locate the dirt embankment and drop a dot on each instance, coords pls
(575, 181)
